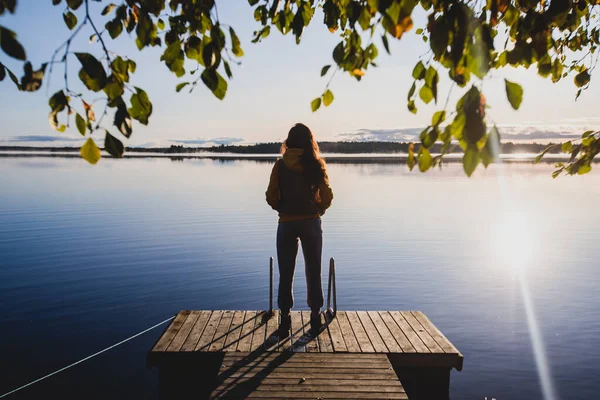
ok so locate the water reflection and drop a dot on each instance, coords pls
(91, 254)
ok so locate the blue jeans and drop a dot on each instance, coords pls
(309, 232)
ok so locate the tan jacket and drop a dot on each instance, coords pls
(324, 195)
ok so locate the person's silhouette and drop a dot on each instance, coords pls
(299, 190)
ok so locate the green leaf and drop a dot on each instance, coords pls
(215, 82)
(227, 69)
(114, 88)
(584, 135)
(431, 80)
(181, 86)
(113, 146)
(325, 69)
(114, 28)
(566, 147)
(92, 73)
(438, 118)
(193, 49)
(514, 92)
(132, 66)
(315, 104)
(123, 121)
(411, 92)
(426, 94)
(174, 59)
(2, 72)
(543, 153)
(70, 20)
(58, 101)
(411, 106)
(419, 31)
(161, 24)
(235, 44)
(386, 45)
(107, 10)
(80, 122)
(141, 107)
(74, 4)
(425, 159)
(584, 169)
(32, 80)
(489, 152)
(327, 98)
(411, 161)
(430, 137)
(582, 78)
(90, 152)
(252, 2)
(470, 160)
(211, 56)
(419, 71)
(120, 68)
(10, 45)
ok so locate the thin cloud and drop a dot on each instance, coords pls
(203, 141)
(38, 138)
(528, 133)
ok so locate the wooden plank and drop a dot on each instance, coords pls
(324, 395)
(325, 342)
(409, 332)
(245, 342)
(312, 345)
(347, 374)
(360, 333)
(167, 337)
(271, 336)
(258, 340)
(384, 332)
(337, 357)
(209, 332)
(307, 387)
(423, 335)
(392, 382)
(184, 331)
(297, 337)
(192, 340)
(337, 339)
(374, 336)
(299, 363)
(235, 330)
(349, 338)
(398, 334)
(440, 339)
(222, 330)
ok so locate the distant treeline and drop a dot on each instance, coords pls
(274, 147)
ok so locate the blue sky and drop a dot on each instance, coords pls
(273, 90)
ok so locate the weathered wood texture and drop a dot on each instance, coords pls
(284, 375)
(409, 337)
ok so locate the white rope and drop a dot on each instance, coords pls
(87, 358)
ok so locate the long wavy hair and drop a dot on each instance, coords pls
(314, 169)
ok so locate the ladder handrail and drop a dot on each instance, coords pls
(331, 287)
(271, 286)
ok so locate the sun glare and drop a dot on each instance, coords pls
(514, 241)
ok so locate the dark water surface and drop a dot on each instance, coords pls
(502, 263)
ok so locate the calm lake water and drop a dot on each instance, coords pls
(502, 263)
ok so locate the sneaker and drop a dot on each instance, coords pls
(315, 324)
(285, 325)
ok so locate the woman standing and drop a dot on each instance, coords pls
(299, 190)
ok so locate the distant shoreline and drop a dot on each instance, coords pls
(373, 158)
(271, 148)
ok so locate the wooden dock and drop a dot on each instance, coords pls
(357, 354)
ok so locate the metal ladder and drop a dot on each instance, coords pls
(330, 287)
